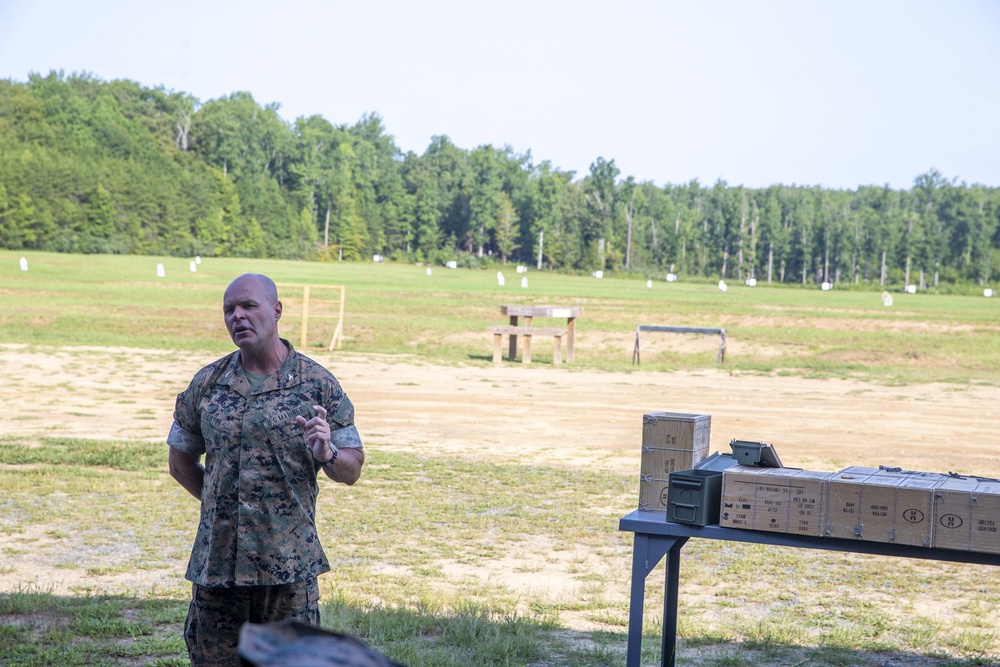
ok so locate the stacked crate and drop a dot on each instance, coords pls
(671, 441)
(872, 504)
(780, 500)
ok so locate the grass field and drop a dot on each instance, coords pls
(396, 309)
(474, 557)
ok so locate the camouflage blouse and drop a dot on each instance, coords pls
(258, 507)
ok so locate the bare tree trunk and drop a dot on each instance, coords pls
(739, 250)
(770, 261)
(652, 228)
(326, 228)
(541, 239)
(805, 257)
(857, 244)
(183, 128)
(882, 276)
(628, 243)
(628, 240)
(907, 279)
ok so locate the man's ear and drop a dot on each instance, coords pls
(277, 311)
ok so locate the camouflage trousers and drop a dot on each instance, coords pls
(216, 614)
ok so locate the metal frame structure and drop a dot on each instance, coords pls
(720, 358)
(655, 537)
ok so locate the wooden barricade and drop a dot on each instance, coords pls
(317, 302)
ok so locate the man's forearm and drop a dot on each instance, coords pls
(347, 469)
(188, 472)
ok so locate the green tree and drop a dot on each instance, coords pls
(100, 213)
(426, 215)
(506, 228)
(601, 190)
(550, 199)
(484, 197)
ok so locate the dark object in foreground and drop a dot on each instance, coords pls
(295, 644)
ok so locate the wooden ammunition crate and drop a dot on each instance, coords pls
(671, 441)
(967, 515)
(780, 500)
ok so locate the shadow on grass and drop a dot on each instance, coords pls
(39, 628)
(708, 651)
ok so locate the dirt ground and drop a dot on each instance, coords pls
(539, 413)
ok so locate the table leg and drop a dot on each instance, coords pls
(668, 653)
(646, 553)
(512, 346)
(570, 333)
(526, 355)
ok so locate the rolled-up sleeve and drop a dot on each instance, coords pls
(185, 433)
(185, 441)
(346, 438)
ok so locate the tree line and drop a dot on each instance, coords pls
(116, 167)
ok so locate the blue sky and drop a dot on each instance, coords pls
(833, 93)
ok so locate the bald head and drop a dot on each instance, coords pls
(252, 310)
(265, 284)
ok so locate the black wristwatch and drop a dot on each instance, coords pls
(333, 459)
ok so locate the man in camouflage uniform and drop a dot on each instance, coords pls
(267, 419)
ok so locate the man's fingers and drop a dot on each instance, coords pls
(316, 429)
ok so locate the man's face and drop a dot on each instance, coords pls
(251, 313)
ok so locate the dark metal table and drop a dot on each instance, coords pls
(655, 537)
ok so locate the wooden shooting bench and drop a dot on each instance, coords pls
(512, 331)
(529, 313)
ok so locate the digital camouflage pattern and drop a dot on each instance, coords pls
(258, 505)
(294, 644)
(217, 615)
